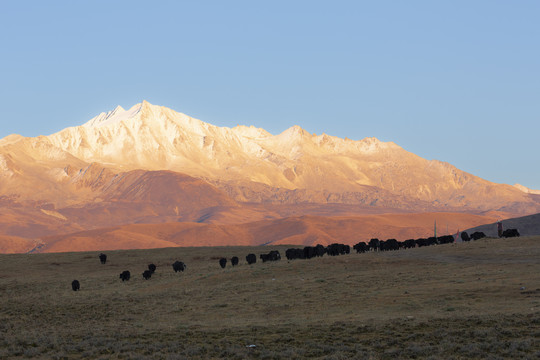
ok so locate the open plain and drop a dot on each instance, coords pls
(472, 300)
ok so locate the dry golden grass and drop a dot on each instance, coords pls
(460, 301)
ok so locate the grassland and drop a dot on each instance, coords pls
(473, 300)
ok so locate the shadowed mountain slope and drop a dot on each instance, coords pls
(526, 225)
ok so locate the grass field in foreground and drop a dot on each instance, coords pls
(462, 301)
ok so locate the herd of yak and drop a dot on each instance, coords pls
(309, 252)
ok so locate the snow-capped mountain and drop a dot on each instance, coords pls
(157, 138)
(150, 164)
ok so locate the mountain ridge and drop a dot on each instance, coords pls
(150, 164)
(158, 138)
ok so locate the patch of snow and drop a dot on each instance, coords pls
(250, 132)
(526, 189)
(4, 168)
(372, 145)
(115, 116)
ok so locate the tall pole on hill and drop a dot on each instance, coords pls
(435, 229)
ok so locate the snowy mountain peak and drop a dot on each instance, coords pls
(116, 116)
(118, 109)
(104, 117)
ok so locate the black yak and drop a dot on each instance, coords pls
(75, 285)
(273, 255)
(445, 239)
(125, 275)
(103, 258)
(338, 249)
(320, 250)
(477, 235)
(510, 233)
(409, 244)
(389, 245)
(309, 252)
(223, 263)
(361, 247)
(251, 259)
(152, 268)
(147, 274)
(179, 266)
(234, 260)
(294, 253)
(375, 244)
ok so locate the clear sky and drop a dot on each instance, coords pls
(457, 81)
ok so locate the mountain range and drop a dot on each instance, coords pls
(104, 184)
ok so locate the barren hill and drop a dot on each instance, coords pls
(303, 230)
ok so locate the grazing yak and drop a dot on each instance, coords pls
(421, 242)
(223, 263)
(361, 247)
(314, 251)
(147, 274)
(445, 239)
(333, 249)
(321, 250)
(125, 275)
(375, 244)
(179, 266)
(75, 285)
(432, 240)
(510, 233)
(409, 244)
(307, 252)
(293, 253)
(390, 244)
(251, 259)
(152, 268)
(264, 257)
(273, 255)
(234, 260)
(477, 235)
(426, 242)
(103, 258)
(393, 244)
(338, 249)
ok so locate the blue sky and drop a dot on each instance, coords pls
(456, 81)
